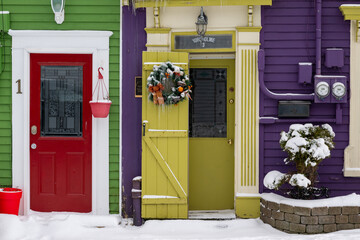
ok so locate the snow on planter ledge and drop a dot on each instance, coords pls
(310, 216)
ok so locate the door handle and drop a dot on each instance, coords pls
(230, 141)
(33, 146)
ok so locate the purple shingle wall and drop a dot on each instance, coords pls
(288, 37)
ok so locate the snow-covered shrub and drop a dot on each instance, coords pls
(307, 146)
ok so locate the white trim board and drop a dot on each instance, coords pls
(352, 151)
(25, 42)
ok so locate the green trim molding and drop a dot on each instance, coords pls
(191, 3)
(248, 29)
(350, 11)
(157, 30)
(247, 206)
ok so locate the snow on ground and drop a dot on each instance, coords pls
(62, 226)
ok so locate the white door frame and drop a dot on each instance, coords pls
(25, 42)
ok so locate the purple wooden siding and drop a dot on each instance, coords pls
(134, 40)
(288, 37)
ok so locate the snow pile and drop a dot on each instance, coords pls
(299, 180)
(273, 179)
(318, 149)
(329, 128)
(294, 144)
(11, 227)
(348, 200)
(307, 139)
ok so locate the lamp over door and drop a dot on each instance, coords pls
(58, 9)
(201, 23)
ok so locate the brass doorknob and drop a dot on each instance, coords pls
(33, 130)
(230, 141)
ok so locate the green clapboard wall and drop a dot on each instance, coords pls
(79, 15)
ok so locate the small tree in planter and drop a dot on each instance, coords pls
(307, 146)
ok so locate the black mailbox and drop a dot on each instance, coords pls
(294, 109)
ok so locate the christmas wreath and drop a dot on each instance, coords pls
(168, 84)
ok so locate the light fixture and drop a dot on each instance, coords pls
(338, 90)
(58, 9)
(201, 23)
(322, 90)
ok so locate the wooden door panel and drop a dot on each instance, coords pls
(164, 148)
(47, 172)
(75, 168)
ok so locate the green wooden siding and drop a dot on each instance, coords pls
(79, 15)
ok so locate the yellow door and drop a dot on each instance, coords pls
(211, 135)
(164, 148)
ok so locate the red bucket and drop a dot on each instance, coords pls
(10, 200)
(100, 109)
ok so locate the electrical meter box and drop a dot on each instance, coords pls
(334, 57)
(330, 89)
(305, 73)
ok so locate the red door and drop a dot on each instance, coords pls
(60, 132)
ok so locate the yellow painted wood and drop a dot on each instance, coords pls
(248, 207)
(149, 65)
(211, 160)
(207, 50)
(165, 166)
(164, 151)
(167, 134)
(350, 12)
(248, 118)
(248, 29)
(158, 201)
(188, 3)
(157, 30)
(156, 45)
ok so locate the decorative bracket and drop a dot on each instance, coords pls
(357, 31)
(250, 15)
(156, 17)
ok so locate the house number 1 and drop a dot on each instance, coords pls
(19, 86)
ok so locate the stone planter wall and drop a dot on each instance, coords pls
(309, 220)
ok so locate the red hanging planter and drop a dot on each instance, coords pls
(101, 106)
(10, 200)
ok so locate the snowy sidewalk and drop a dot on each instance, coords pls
(60, 226)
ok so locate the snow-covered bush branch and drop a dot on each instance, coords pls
(307, 146)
